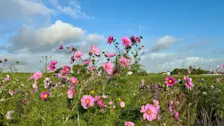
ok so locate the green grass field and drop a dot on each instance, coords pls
(203, 105)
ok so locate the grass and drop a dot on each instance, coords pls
(203, 105)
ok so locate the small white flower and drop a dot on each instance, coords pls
(1, 100)
(204, 93)
(212, 86)
(130, 72)
(9, 114)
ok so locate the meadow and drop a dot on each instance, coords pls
(113, 94)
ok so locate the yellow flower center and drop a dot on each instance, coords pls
(170, 81)
(45, 95)
(119, 99)
(125, 41)
(74, 81)
(52, 65)
(107, 67)
(87, 101)
(129, 124)
(148, 111)
(67, 69)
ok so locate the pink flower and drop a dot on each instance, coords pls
(156, 103)
(110, 39)
(86, 62)
(138, 39)
(126, 41)
(35, 86)
(74, 81)
(100, 103)
(94, 50)
(70, 93)
(223, 66)
(87, 101)
(150, 112)
(45, 95)
(108, 55)
(108, 67)
(97, 98)
(37, 75)
(60, 47)
(188, 83)
(176, 115)
(66, 69)
(11, 92)
(91, 68)
(122, 104)
(124, 62)
(51, 67)
(170, 81)
(170, 106)
(104, 96)
(129, 124)
(6, 78)
(71, 49)
(78, 55)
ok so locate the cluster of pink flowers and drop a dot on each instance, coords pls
(124, 62)
(129, 123)
(150, 111)
(188, 82)
(172, 110)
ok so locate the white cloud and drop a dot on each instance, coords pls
(45, 39)
(13, 9)
(159, 62)
(72, 9)
(164, 43)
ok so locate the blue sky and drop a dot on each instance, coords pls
(186, 32)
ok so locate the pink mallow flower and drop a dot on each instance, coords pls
(156, 103)
(74, 81)
(37, 75)
(87, 101)
(170, 81)
(66, 69)
(188, 83)
(100, 103)
(70, 93)
(150, 112)
(138, 39)
(91, 68)
(52, 67)
(110, 39)
(45, 95)
(11, 92)
(60, 47)
(77, 55)
(176, 115)
(122, 104)
(126, 41)
(94, 50)
(108, 67)
(170, 106)
(124, 62)
(129, 124)
(109, 55)
(86, 62)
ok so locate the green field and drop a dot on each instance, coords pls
(203, 105)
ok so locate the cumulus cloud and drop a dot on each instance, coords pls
(72, 9)
(159, 62)
(13, 9)
(164, 43)
(48, 38)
